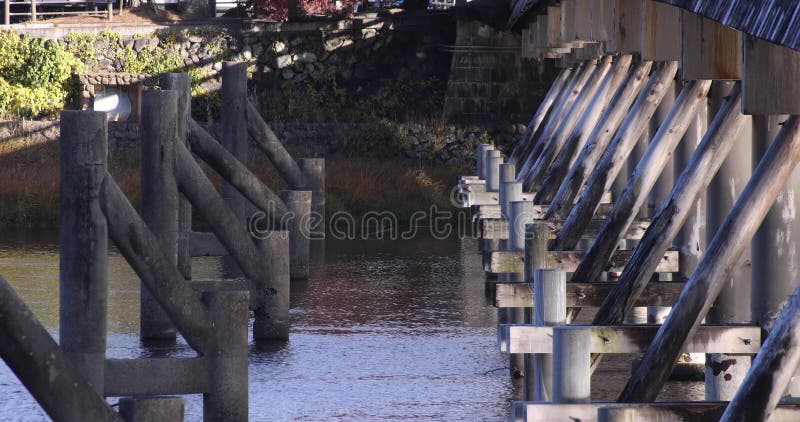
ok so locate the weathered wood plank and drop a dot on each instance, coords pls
(513, 261)
(585, 295)
(710, 50)
(629, 18)
(496, 228)
(661, 22)
(539, 211)
(632, 339)
(770, 78)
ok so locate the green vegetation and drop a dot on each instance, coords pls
(36, 74)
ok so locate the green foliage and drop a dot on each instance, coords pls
(381, 138)
(35, 75)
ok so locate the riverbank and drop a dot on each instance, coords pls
(29, 182)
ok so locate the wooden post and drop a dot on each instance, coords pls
(485, 162)
(83, 264)
(43, 367)
(714, 270)
(233, 96)
(265, 139)
(572, 374)
(609, 165)
(531, 141)
(521, 213)
(151, 409)
(549, 309)
(584, 128)
(656, 158)
(733, 303)
(560, 113)
(772, 371)
(598, 142)
(227, 398)
(691, 239)
(7, 12)
(493, 170)
(479, 160)
(314, 171)
(544, 107)
(559, 136)
(182, 83)
(706, 159)
(159, 198)
(509, 192)
(33, 11)
(272, 319)
(110, 8)
(299, 205)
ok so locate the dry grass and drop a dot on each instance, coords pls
(29, 183)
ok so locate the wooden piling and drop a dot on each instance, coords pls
(706, 159)
(560, 135)
(537, 236)
(644, 177)
(314, 172)
(520, 214)
(159, 198)
(299, 205)
(583, 129)
(44, 369)
(227, 399)
(691, 240)
(479, 161)
(610, 163)
(549, 309)
(725, 249)
(272, 319)
(544, 107)
(571, 365)
(182, 83)
(83, 264)
(598, 142)
(151, 409)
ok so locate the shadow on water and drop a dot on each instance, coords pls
(381, 330)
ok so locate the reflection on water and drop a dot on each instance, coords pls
(381, 330)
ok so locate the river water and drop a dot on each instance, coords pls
(381, 330)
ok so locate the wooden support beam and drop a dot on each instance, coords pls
(539, 211)
(661, 22)
(585, 295)
(265, 139)
(151, 377)
(603, 25)
(558, 137)
(597, 143)
(513, 261)
(629, 15)
(633, 339)
(498, 229)
(725, 249)
(583, 130)
(710, 50)
(706, 160)
(643, 179)
(770, 78)
(616, 154)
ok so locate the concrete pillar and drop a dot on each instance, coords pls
(83, 264)
(572, 372)
(493, 161)
(151, 409)
(159, 198)
(272, 318)
(775, 263)
(182, 83)
(724, 373)
(227, 399)
(233, 96)
(298, 202)
(314, 171)
(549, 309)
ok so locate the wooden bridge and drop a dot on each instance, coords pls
(71, 380)
(664, 149)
